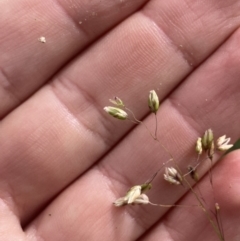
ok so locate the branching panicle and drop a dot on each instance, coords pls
(204, 144)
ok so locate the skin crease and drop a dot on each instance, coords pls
(64, 160)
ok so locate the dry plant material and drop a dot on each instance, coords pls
(42, 40)
(204, 148)
(172, 176)
(135, 195)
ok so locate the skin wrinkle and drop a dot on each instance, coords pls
(189, 48)
(7, 86)
(76, 25)
(89, 99)
(9, 200)
(217, 98)
(166, 229)
(114, 176)
(185, 114)
(5, 83)
(34, 235)
(186, 56)
(17, 195)
(169, 229)
(5, 208)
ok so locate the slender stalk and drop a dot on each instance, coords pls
(153, 136)
(215, 227)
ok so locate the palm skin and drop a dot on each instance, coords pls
(64, 161)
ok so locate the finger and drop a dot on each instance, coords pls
(68, 27)
(183, 117)
(10, 228)
(53, 135)
(192, 224)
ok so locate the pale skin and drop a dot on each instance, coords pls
(64, 160)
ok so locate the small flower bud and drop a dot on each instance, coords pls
(199, 146)
(116, 112)
(172, 176)
(153, 101)
(117, 101)
(207, 139)
(222, 143)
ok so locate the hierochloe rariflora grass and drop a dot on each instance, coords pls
(205, 149)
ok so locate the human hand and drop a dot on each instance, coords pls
(64, 161)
